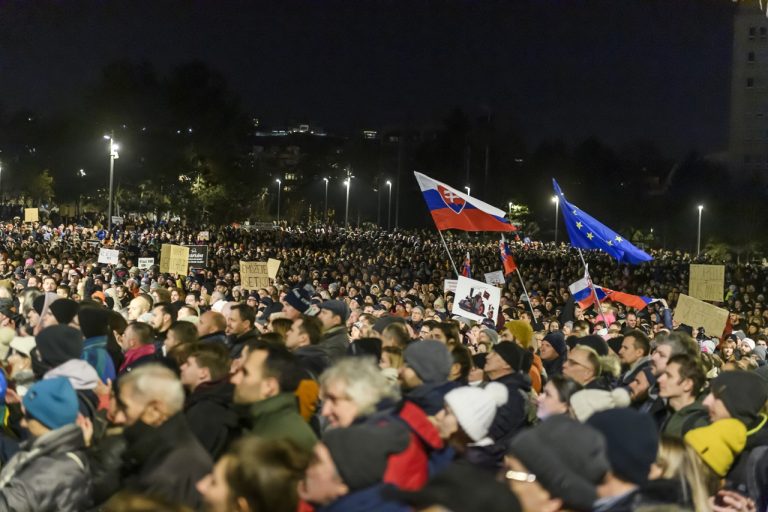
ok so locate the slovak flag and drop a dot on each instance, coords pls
(466, 268)
(506, 257)
(452, 209)
(582, 293)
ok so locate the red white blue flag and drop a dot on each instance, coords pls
(452, 209)
(506, 257)
(466, 268)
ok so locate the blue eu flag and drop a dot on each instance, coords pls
(588, 233)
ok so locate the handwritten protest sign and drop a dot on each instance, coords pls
(174, 259)
(707, 282)
(495, 277)
(449, 285)
(31, 215)
(254, 274)
(697, 313)
(145, 263)
(273, 266)
(109, 256)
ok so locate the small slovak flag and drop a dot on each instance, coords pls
(466, 268)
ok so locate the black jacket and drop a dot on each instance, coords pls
(236, 343)
(431, 397)
(166, 461)
(313, 359)
(211, 417)
(214, 337)
(511, 417)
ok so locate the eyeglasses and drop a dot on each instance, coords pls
(520, 476)
(575, 362)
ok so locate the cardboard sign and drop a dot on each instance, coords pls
(697, 313)
(476, 300)
(198, 256)
(145, 263)
(495, 278)
(109, 256)
(449, 285)
(117, 221)
(204, 236)
(254, 274)
(174, 259)
(707, 282)
(273, 266)
(31, 215)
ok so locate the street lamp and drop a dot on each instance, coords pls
(326, 199)
(389, 203)
(510, 208)
(112, 157)
(556, 200)
(467, 189)
(347, 182)
(279, 183)
(698, 237)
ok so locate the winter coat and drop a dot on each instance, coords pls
(236, 343)
(365, 500)
(278, 417)
(313, 359)
(511, 417)
(165, 461)
(214, 337)
(211, 417)
(738, 478)
(95, 353)
(105, 459)
(138, 356)
(689, 417)
(430, 397)
(49, 473)
(335, 342)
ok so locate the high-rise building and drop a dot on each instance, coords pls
(748, 137)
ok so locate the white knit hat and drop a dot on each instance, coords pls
(587, 402)
(475, 407)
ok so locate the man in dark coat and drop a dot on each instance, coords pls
(208, 406)
(163, 457)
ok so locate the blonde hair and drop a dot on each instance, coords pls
(602, 365)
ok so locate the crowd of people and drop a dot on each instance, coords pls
(347, 384)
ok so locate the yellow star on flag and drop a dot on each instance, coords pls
(579, 224)
(619, 239)
(590, 236)
(610, 244)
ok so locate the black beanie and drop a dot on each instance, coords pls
(56, 345)
(743, 393)
(94, 321)
(596, 342)
(38, 304)
(361, 452)
(515, 356)
(64, 310)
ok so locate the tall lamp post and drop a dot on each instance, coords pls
(389, 204)
(347, 182)
(556, 200)
(112, 157)
(698, 237)
(279, 186)
(467, 189)
(326, 199)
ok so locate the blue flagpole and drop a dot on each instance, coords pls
(592, 286)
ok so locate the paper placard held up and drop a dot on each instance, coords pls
(31, 215)
(145, 263)
(476, 300)
(174, 259)
(449, 285)
(707, 282)
(273, 266)
(109, 256)
(495, 277)
(697, 313)
(254, 274)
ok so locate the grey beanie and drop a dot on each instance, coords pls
(492, 335)
(430, 359)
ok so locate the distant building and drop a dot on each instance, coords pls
(748, 137)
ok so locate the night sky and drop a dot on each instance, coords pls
(619, 69)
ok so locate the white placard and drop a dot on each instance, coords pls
(495, 278)
(145, 263)
(109, 256)
(449, 285)
(476, 300)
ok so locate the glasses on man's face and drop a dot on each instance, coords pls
(571, 361)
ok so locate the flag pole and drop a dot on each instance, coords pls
(449, 253)
(592, 285)
(533, 316)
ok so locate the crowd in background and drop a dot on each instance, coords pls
(348, 385)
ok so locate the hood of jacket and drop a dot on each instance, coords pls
(80, 374)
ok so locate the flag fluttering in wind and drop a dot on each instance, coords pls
(584, 296)
(452, 209)
(506, 257)
(466, 268)
(586, 232)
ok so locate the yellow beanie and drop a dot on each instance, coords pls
(718, 444)
(522, 331)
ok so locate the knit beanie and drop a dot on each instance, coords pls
(522, 331)
(430, 359)
(299, 299)
(557, 340)
(596, 342)
(52, 402)
(492, 335)
(718, 444)
(632, 441)
(55, 345)
(385, 321)
(743, 393)
(519, 359)
(475, 408)
(94, 321)
(587, 402)
(64, 310)
(568, 458)
(38, 303)
(361, 452)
